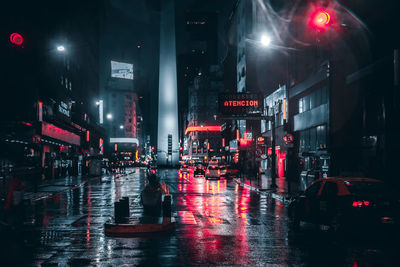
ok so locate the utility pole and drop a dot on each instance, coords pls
(273, 155)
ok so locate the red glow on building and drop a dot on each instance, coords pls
(281, 163)
(40, 111)
(60, 134)
(87, 135)
(284, 109)
(101, 147)
(281, 158)
(131, 118)
(223, 142)
(245, 141)
(211, 128)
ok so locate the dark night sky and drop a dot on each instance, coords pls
(128, 23)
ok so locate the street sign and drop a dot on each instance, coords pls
(36, 139)
(288, 138)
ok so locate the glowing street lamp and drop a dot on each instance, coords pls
(121, 127)
(265, 40)
(109, 116)
(61, 48)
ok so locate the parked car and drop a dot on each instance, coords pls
(345, 203)
(213, 171)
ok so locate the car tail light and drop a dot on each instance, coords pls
(360, 204)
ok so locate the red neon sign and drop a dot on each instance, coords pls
(60, 134)
(213, 128)
(241, 103)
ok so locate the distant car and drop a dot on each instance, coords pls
(199, 171)
(231, 172)
(213, 162)
(345, 203)
(184, 169)
(223, 170)
(213, 171)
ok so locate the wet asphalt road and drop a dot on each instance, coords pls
(219, 223)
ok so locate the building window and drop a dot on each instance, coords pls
(313, 139)
(313, 100)
(321, 137)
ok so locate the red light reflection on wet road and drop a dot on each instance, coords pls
(210, 204)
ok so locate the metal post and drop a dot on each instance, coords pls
(273, 155)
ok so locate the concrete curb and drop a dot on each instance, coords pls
(276, 196)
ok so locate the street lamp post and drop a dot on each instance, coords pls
(271, 118)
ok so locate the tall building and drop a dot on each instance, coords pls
(168, 139)
(200, 76)
(48, 117)
(337, 118)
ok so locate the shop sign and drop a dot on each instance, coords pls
(288, 138)
(64, 109)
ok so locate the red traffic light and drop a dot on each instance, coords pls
(321, 18)
(152, 148)
(16, 38)
(180, 148)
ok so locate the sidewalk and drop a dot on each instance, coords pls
(283, 192)
(47, 189)
(50, 187)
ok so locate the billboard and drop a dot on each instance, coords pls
(240, 104)
(121, 70)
